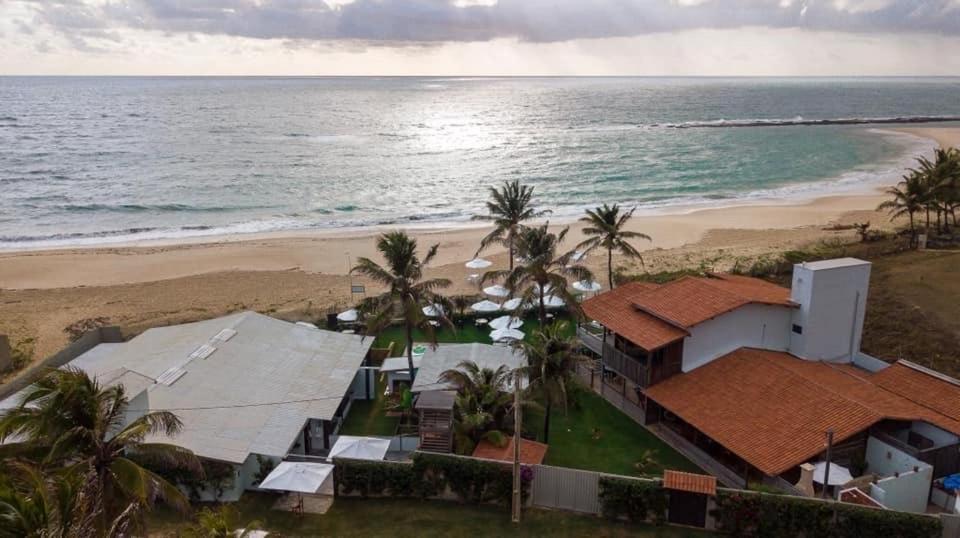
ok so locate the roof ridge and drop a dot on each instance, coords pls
(929, 371)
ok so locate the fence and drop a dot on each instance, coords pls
(565, 489)
(88, 341)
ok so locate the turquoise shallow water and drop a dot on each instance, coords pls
(96, 160)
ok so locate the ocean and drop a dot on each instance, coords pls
(89, 161)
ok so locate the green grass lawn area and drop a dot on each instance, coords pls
(616, 446)
(372, 518)
(368, 417)
(466, 333)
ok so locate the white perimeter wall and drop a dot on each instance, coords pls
(910, 490)
(935, 434)
(752, 325)
(884, 459)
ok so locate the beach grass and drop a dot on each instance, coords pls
(596, 436)
(374, 518)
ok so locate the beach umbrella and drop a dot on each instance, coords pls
(502, 335)
(506, 322)
(478, 263)
(512, 304)
(433, 311)
(552, 301)
(587, 286)
(485, 306)
(359, 448)
(576, 257)
(298, 476)
(348, 315)
(496, 291)
(839, 475)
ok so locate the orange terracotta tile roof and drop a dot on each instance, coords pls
(652, 316)
(694, 483)
(615, 311)
(926, 387)
(773, 409)
(857, 496)
(531, 452)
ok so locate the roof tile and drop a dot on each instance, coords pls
(694, 483)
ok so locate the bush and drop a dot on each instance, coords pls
(755, 514)
(430, 475)
(635, 500)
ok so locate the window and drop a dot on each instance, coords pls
(797, 329)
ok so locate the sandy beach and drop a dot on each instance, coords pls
(302, 275)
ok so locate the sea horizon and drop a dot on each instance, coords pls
(88, 162)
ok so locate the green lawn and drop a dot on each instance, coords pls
(466, 333)
(368, 417)
(372, 518)
(597, 436)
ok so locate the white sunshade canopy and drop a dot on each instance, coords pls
(433, 311)
(587, 286)
(552, 301)
(299, 476)
(503, 335)
(348, 315)
(542, 290)
(360, 448)
(496, 291)
(578, 255)
(839, 475)
(506, 322)
(512, 304)
(485, 306)
(478, 263)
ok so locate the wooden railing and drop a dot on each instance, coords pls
(591, 341)
(624, 365)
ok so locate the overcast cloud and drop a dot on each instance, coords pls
(33, 31)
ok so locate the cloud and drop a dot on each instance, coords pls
(396, 22)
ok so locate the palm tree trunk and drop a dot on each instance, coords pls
(610, 266)
(410, 350)
(913, 231)
(543, 308)
(510, 248)
(546, 424)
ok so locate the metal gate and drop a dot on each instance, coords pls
(565, 489)
(687, 509)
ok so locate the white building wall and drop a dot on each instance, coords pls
(753, 325)
(908, 492)
(935, 434)
(884, 459)
(832, 296)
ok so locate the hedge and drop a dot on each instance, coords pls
(472, 480)
(634, 500)
(755, 514)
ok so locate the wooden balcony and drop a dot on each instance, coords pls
(590, 339)
(625, 365)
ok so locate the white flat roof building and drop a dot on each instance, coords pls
(447, 356)
(241, 384)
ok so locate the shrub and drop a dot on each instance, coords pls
(755, 514)
(377, 478)
(635, 500)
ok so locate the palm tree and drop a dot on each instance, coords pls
(222, 522)
(552, 359)
(606, 229)
(80, 424)
(482, 406)
(908, 198)
(407, 292)
(544, 271)
(508, 208)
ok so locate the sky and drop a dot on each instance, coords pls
(481, 37)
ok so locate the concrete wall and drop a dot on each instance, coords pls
(907, 492)
(884, 459)
(935, 434)
(832, 296)
(753, 325)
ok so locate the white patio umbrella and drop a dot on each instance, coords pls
(578, 255)
(485, 306)
(544, 290)
(433, 311)
(478, 263)
(359, 448)
(512, 304)
(496, 291)
(348, 315)
(506, 322)
(298, 476)
(502, 335)
(839, 475)
(552, 301)
(587, 286)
